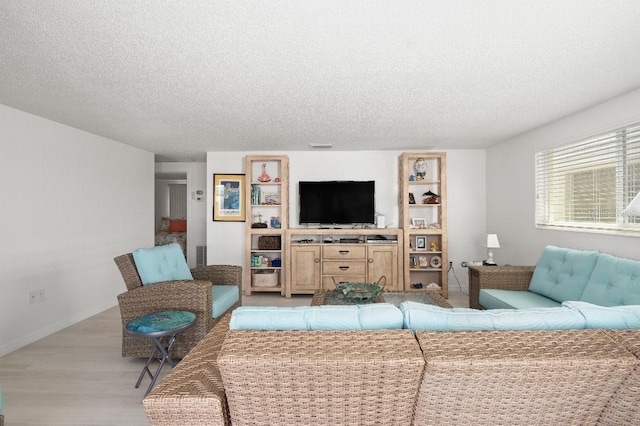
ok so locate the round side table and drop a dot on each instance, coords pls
(156, 326)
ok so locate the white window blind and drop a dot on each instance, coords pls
(586, 185)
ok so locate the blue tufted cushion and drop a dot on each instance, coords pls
(615, 281)
(562, 274)
(419, 316)
(375, 316)
(161, 263)
(222, 298)
(616, 317)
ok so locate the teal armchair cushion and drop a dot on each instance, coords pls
(161, 263)
(375, 316)
(616, 317)
(615, 281)
(222, 298)
(419, 316)
(562, 274)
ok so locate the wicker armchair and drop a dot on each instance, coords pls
(194, 296)
(498, 277)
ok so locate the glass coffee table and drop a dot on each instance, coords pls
(331, 297)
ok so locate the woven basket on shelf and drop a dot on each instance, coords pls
(269, 242)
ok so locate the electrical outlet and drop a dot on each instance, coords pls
(33, 297)
(41, 295)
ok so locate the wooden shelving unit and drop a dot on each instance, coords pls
(267, 204)
(423, 220)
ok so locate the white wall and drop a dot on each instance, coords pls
(511, 185)
(70, 201)
(466, 196)
(196, 210)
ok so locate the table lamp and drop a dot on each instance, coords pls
(492, 242)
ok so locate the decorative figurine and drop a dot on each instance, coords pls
(430, 198)
(434, 246)
(264, 177)
(420, 167)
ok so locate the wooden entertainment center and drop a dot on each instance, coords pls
(413, 257)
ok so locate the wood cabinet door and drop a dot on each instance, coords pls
(305, 268)
(383, 260)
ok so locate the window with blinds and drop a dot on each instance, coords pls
(587, 184)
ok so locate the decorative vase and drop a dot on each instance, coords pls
(264, 177)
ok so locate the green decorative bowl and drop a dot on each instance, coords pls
(359, 292)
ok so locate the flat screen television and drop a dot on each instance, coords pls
(337, 202)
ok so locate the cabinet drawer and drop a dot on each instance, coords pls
(344, 252)
(328, 283)
(346, 267)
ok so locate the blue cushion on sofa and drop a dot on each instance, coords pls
(615, 281)
(562, 274)
(492, 298)
(161, 263)
(327, 317)
(615, 317)
(222, 298)
(420, 316)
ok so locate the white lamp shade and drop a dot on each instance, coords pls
(633, 209)
(492, 241)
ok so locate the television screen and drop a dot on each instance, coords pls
(337, 202)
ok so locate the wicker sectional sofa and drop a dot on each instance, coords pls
(396, 377)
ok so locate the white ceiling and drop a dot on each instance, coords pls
(180, 78)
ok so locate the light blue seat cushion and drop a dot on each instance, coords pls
(375, 316)
(512, 299)
(161, 263)
(615, 317)
(615, 281)
(562, 274)
(419, 316)
(223, 297)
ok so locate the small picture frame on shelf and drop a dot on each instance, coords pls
(270, 198)
(412, 199)
(423, 261)
(419, 222)
(421, 243)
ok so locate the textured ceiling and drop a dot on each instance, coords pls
(180, 78)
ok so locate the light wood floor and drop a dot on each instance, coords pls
(78, 376)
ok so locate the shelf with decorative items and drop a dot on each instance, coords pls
(267, 208)
(423, 220)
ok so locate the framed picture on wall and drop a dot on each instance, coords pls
(228, 198)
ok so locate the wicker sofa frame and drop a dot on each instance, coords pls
(516, 278)
(393, 377)
(194, 296)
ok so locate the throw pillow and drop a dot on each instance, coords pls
(178, 225)
(161, 263)
(164, 224)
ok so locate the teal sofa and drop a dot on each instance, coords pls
(561, 275)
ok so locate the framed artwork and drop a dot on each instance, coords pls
(412, 199)
(424, 263)
(228, 198)
(421, 243)
(418, 222)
